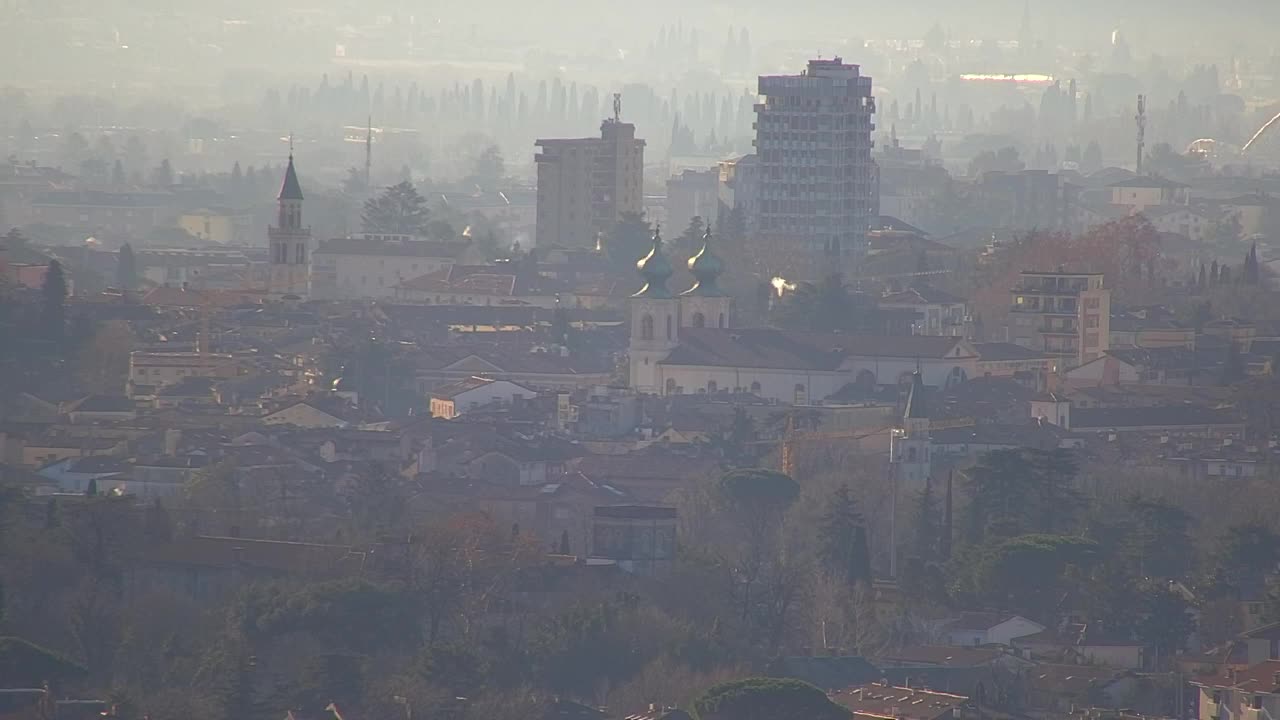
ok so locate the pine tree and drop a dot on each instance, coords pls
(91, 490)
(1202, 281)
(842, 538)
(126, 268)
(925, 522)
(399, 209)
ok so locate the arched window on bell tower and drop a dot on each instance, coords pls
(646, 327)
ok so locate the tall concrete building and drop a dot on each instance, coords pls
(818, 191)
(1062, 313)
(692, 193)
(586, 184)
(290, 241)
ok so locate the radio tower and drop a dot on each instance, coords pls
(1141, 119)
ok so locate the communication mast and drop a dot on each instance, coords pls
(617, 107)
(1141, 119)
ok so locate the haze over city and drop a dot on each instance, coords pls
(674, 361)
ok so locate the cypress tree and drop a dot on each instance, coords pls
(126, 268)
(55, 301)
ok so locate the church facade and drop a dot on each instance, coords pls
(687, 344)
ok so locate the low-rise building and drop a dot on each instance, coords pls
(373, 265)
(452, 400)
(986, 628)
(118, 214)
(1249, 694)
(222, 225)
(941, 313)
(640, 538)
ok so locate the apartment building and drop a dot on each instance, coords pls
(586, 184)
(1065, 314)
(818, 181)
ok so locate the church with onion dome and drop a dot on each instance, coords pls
(658, 316)
(686, 343)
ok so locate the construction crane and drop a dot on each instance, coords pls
(791, 438)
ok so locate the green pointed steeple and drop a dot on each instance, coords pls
(706, 268)
(655, 269)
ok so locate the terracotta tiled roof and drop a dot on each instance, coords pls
(782, 349)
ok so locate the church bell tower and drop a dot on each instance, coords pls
(290, 241)
(655, 321)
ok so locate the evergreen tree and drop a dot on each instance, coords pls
(926, 523)
(564, 542)
(162, 176)
(55, 301)
(1213, 274)
(399, 209)
(1233, 369)
(691, 238)
(126, 268)
(91, 490)
(1202, 281)
(842, 538)
(1224, 275)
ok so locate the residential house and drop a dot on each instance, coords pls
(1083, 643)
(533, 366)
(986, 628)
(1191, 221)
(1006, 360)
(1176, 420)
(73, 474)
(1249, 694)
(488, 285)
(222, 225)
(452, 400)
(1151, 365)
(940, 313)
(902, 703)
(306, 414)
(952, 669)
(1064, 688)
(1137, 194)
(101, 408)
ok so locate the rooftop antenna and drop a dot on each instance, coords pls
(290, 146)
(1141, 119)
(617, 107)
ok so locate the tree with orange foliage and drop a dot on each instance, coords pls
(1127, 251)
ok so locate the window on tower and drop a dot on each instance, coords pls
(646, 327)
(699, 320)
(300, 254)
